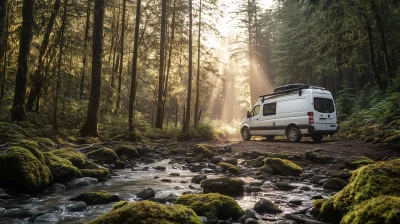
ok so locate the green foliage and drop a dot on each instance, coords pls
(223, 207)
(146, 212)
(22, 171)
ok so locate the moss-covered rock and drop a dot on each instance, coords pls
(22, 171)
(266, 206)
(358, 161)
(77, 158)
(224, 185)
(259, 162)
(45, 141)
(103, 155)
(224, 207)
(232, 161)
(146, 212)
(96, 198)
(344, 175)
(383, 209)
(127, 150)
(120, 204)
(334, 184)
(61, 169)
(95, 173)
(230, 168)
(266, 169)
(317, 157)
(283, 167)
(367, 182)
(204, 149)
(11, 133)
(33, 147)
(119, 164)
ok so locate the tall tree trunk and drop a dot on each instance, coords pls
(56, 125)
(159, 117)
(85, 43)
(377, 76)
(189, 91)
(176, 112)
(132, 97)
(115, 62)
(196, 108)
(38, 79)
(250, 53)
(90, 128)
(121, 62)
(18, 112)
(3, 44)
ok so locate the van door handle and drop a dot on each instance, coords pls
(329, 115)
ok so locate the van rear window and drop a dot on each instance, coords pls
(324, 105)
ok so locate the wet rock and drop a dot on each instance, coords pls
(281, 167)
(211, 218)
(4, 195)
(81, 182)
(103, 155)
(225, 185)
(175, 174)
(207, 170)
(146, 194)
(256, 183)
(249, 213)
(119, 164)
(250, 189)
(191, 186)
(61, 169)
(127, 150)
(76, 207)
(162, 168)
(251, 221)
(228, 148)
(232, 161)
(318, 196)
(204, 149)
(203, 219)
(148, 160)
(95, 198)
(216, 159)
(285, 186)
(305, 188)
(106, 166)
(187, 192)
(156, 177)
(183, 181)
(295, 201)
(287, 221)
(317, 178)
(316, 156)
(18, 213)
(166, 180)
(334, 184)
(197, 168)
(145, 168)
(179, 187)
(211, 166)
(266, 206)
(47, 218)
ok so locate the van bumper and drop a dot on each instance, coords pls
(312, 131)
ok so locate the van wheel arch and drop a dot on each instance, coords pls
(296, 128)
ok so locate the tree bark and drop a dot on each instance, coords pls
(85, 43)
(377, 76)
(176, 112)
(38, 79)
(196, 108)
(90, 127)
(3, 44)
(56, 125)
(189, 92)
(132, 97)
(18, 112)
(159, 117)
(121, 62)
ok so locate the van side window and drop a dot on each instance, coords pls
(324, 105)
(255, 111)
(269, 109)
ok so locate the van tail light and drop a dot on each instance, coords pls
(311, 117)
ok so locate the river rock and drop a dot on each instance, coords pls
(76, 206)
(211, 218)
(166, 180)
(96, 198)
(179, 187)
(305, 188)
(249, 213)
(250, 189)
(81, 182)
(285, 186)
(197, 168)
(208, 170)
(198, 178)
(334, 184)
(251, 221)
(317, 178)
(4, 195)
(103, 155)
(266, 206)
(175, 174)
(18, 213)
(162, 168)
(228, 148)
(216, 159)
(225, 185)
(146, 194)
(47, 218)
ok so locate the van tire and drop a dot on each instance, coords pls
(293, 134)
(317, 138)
(246, 134)
(270, 138)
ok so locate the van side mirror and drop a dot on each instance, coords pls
(248, 114)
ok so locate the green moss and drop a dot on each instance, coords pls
(334, 183)
(33, 147)
(95, 198)
(11, 133)
(266, 169)
(61, 169)
(328, 213)
(224, 185)
(204, 149)
(74, 156)
(316, 157)
(383, 209)
(127, 150)
(45, 141)
(95, 173)
(221, 206)
(344, 174)
(119, 164)
(22, 171)
(146, 212)
(229, 167)
(284, 167)
(232, 161)
(357, 161)
(103, 155)
(120, 204)
(256, 162)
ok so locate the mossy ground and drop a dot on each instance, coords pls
(45, 141)
(283, 167)
(22, 171)
(61, 169)
(230, 168)
(77, 158)
(224, 207)
(146, 212)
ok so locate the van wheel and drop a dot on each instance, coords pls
(293, 134)
(317, 138)
(246, 134)
(270, 138)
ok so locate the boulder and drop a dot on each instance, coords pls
(57, 187)
(76, 206)
(230, 168)
(225, 185)
(283, 167)
(119, 164)
(77, 158)
(103, 155)
(127, 150)
(81, 182)
(316, 157)
(149, 212)
(146, 194)
(216, 159)
(221, 206)
(61, 169)
(100, 174)
(334, 184)
(358, 161)
(47, 218)
(266, 206)
(205, 150)
(96, 198)
(23, 171)
(232, 161)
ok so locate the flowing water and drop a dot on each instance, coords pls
(129, 182)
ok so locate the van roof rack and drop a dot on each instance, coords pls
(287, 89)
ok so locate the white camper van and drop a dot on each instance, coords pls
(294, 111)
